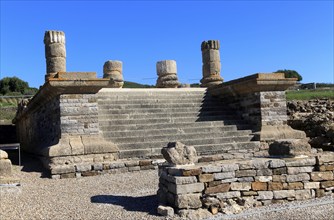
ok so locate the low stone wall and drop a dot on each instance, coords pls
(230, 185)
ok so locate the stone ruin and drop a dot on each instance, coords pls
(167, 77)
(80, 125)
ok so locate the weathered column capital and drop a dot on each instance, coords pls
(210, 45)
(51, 37)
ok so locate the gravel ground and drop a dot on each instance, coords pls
(117, 196)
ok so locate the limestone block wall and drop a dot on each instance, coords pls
(262, 108)
(78, 114)
(217, 186)
(41, 127)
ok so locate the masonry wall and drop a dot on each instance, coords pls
(79, 114)
(41, 127)
(261, 108)
(261, 181)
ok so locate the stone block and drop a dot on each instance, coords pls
(312, 185)
(275, 186)
(131, 163)
(246, 165)
(97, 166)
(191, 172)
(187, 188)
(225, 175)
(325, 158)
(260, 163)
(228, 195)
(62, 169)
(117, 165)
(229, 167)
(249, 193)
(214, 183)
(319, 192)
(259, 186)
(5, 167)
(83, 167)
(326, 167)
(187, 201)
(327, 184)
(165, 211)
(300, 162)
(243, 186)
(264, 172)
(297, 170)
(211, 169)
(181, 180)
(303, 194)
(67, 175)
(245, 179)
(243, 173)
(282, 194)
(264, 178)
(276, 163)
(145, 162)
(265, 195)
(280, 171)
(224, 187)
(321, 176)
(295, 185)
(298, 177)
(207, 177)
(229, 180)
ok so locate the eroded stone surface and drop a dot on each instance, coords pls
(177, 153)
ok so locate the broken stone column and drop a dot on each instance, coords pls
(167, 78)
(55, 53)
(177, 153)
(211, 63)
(112, 69)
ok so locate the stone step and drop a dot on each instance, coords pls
(161, 105)
(107, 110)
(106, 116)
(205, 149)
(176, 99)
(150, 92)
(186, 136)
(240, 124)
(168, 120)
(168, 131)
(191, 141)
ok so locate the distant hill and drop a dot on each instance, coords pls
(128, 84)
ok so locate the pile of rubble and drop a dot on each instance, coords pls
(316, 118)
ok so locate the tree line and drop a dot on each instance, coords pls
(13, 86)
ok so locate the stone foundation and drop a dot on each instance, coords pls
(230, 185)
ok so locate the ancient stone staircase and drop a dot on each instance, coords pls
(142, 121)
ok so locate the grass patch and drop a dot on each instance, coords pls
(310, 94)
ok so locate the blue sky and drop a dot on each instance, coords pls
(255, 36)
